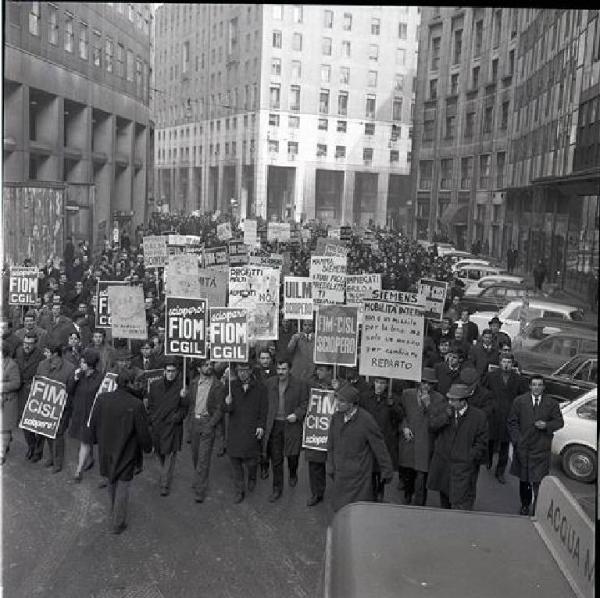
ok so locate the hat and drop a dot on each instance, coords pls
(123, 355)
(348, 393)
(495, 320)
(469, 376)
(428, 375)
(91, 357)
(459, 391)
(170, 360)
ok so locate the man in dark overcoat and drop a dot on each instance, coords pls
(288, 400)
(416, 439)
(247, 406)
(167, 408)
(531, 424)
(448, 371)
(460, 448)
(505, 385)
(119, 425)
(388, 414)
(484, 352)
(354, 442)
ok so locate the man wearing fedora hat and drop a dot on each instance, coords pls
(460, 448)
(484, 353)
(498, 337)
(416, 443)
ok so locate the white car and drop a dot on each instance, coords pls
(444, 248)
(514, 316)
(487, 281)
(577, 442)
(470, 262)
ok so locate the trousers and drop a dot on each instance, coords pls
(57, 449)
(203, 439)
(317, 478)
(503, 447)
(167, 468)
(415, 485)
(238, 465)
(275, 450)
(118, 492)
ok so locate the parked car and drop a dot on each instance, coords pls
(487, 281)
(540, 328)
(446, 248)
(577, 442)
(495, 297)
(549, 354)
(471, 274)
(574, 377)
(515, 315)
(474, 261)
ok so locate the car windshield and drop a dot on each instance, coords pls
(569, 368)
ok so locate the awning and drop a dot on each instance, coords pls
(455, 214)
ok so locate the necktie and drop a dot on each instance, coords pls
(537, 403)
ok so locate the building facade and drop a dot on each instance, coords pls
(286, 111)
(76, 108)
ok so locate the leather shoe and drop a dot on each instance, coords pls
(119, 529)
(36, 458)
(251, 485)
(89, 465)
(199, 498)
(103, 483)
(275, 496)
(78, 477)
(56, 469)
(293, 480)
(313, 500)
(164, 492)
(489, 464)
(238, 498)
(48, 463)
(524, 511)
(500, 477)
(29, 453)
(221, 453)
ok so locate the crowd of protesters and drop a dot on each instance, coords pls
(435, 433)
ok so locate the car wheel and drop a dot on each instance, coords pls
(579, 463)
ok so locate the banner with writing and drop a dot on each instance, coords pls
(251, 233)
(213, 286)
(155, 251)
(315, 430)
(228, 334)
(224, 231)
(328, 279)
(273, 260)
(297, 298)
(185, 327)
(44, 407)
(181, 276)
(330, 246)
(278, 231)
(23, 285)
(109, 384)
(434, 293)
(128, 312)
(336, 335)
(359, 286)
(103, 319)
(216, 256)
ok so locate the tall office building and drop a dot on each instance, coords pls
(286, 111)
(76, 110)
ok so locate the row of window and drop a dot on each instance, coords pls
(340, 151)
(214, 149)
(466, 182)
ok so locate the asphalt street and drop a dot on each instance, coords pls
(56, 540)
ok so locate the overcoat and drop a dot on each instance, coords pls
(247, 412)
(28, 365)
(167, 410)
(457, 454)
(446, 377)
(352, 448)
(531, 447)
(302, 351)
(82, 393)
(482, 357)
(296, 402)
(503, 397)
(10, 380)
(60, 371)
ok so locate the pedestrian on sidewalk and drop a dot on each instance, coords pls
(539, 274)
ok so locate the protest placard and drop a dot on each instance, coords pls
(272, 260)
(145, 378)
(108, 384)
(251, 233)
(256, 289)
(185, 327)
(238, 253)
(176, 240)
(103, 319)
(181, 276)
(392, 336)
(297, 298)
(128, 313)
(315, 430)
(44, 408)
(278, 231)
(328, 279)
(434, 293)
(213, 286)
(155, 251)
(359, 286)
(305, 234)
(23, 285)
(228, 334)
(224, 231)
(216, 256)
(330, 246)
(336, 335)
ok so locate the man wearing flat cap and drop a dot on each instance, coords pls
(416, 440)
(354, 442)
(460, 448)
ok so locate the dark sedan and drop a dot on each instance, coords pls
(495, 297)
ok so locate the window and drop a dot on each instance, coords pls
(185, 56)
(396, 132)
(347, 23)
(341, 126)
(374, 52)
(484, 171)
(368, 154)
(273, 145)
(52, 24)
(446, 174)
(401, 56)
(277, 12)
(475, 78)
(497, 27)
(433, 89)
(488, 119)
(394, 156)
(129, 65)
(34, 18)
(293, 122)
(375, 26)
(297, 13)
(296, 70)
(120, 60)
(504, 116)
(466, 172)
(457, 50)
(322, 124)
(325, 73)
(450, 126)
(326, 46)
(297, 42)
(277, 39)
(276, 67)
(324, 101)
(454, 84)
(397, 109)
(478, 38)
(425, 174)
(343, 103)
(274, 97)
(500, 162)
(402, 30)
(83, 41)
(340, 151)
(370, 106)
(372, 79)
(369, 128)
(328, 19)
(398, 82)
(511, 62)
(428, 130)
(130, 12)
(494, 70)
(108, 54)
(589, 410)
(273, 120)
(97, 51)
(321, 150)
(293, 148)
(295, 98)
(344, 75)
(346, 49)
(436, 43)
